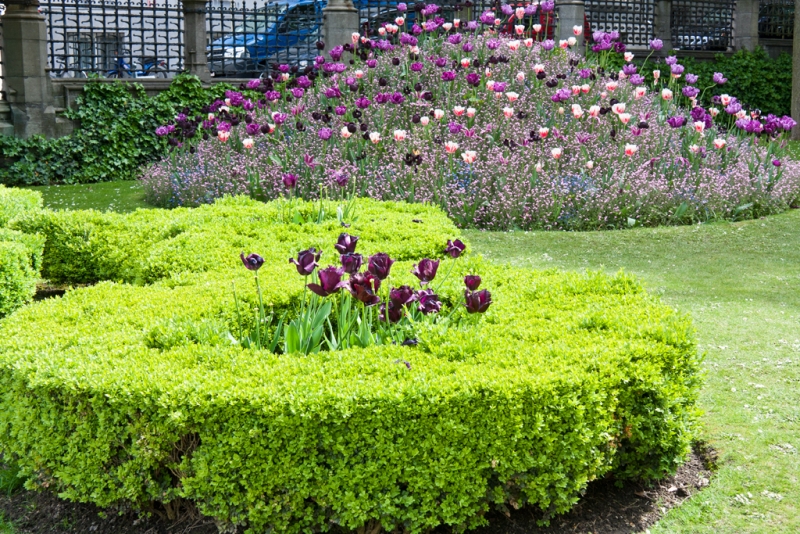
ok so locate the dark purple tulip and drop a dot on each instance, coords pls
(346, 243)
(379, 265)
(289, 180)
(330, 281)
(429, 301)
(472, 281)
(455, 248)
(363, 286)
(306, 261)
(425, 270)
(402, 296)
(253, 261)
(394, 313)
(477, 301)
(351, 262)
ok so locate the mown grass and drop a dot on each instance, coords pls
(741, 284)
(114, 196)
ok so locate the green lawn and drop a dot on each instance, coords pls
(115, 196)
(741, 284)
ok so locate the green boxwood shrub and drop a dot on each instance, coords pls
(126, 393)
(14, 202)
(20, 261)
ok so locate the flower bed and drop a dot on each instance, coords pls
(500, 132)
(132, 394)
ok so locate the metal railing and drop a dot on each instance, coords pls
(634, 19)
(704, 25)
(2, 73)
(776, 19)
(122, 38)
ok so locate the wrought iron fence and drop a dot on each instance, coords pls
(2, 70)
(705, 25)
(123, 38)
(776, 19)
(633, 19)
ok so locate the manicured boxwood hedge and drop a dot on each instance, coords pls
(123, 393)
(20, 254)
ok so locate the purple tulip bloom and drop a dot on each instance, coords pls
(425, 270)
(455, 248)
(330, 281)
(253, 84)
(416, 66)
(629, 69)
(719, 79)
(362, 102)
(336, 52)
(402, 296)
(306, 261)
(473, 78)
(776, 162)
(253, 262)
(787, 123)
(289, 180)
(340, 110)
(324, 133)
(676, 121)
(341, 178)
(472, 281)
(372, 63)
(304, 82)
(161, 131)
(691, 79)
(690, 92)
(351, 262)
(363, 287)
(472, 25)
(548, 44)
(477, 301)
(454, 39)
(346, 243)
(428, 301)
(671, 60)
(637, 79)
(380, 265)
(677, 69)
(547, 6)
(733, 108)
(656, 44)
(393, 314)
(531, 8)
(402, 7)
(487, 17)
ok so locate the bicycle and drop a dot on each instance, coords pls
(152, 67)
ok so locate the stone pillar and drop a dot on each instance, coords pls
(571, 13)
(27, 84)
(339, 20)
(745, 25)
(796, 75)
(195, 39)
(662, 26)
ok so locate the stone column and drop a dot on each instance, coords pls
(796, 74)
(571, 13)
(195, 39)
(662, 26)
(745, 25)
(27, 84)
(339, 21)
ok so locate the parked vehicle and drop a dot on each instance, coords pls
(285, 31)
(703, 29)
(776, 19)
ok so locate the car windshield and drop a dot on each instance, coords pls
(263, 18)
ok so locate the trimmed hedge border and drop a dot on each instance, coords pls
(20, 254)
(128, 394)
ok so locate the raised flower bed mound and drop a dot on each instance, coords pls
(132, 394)
(501, 132)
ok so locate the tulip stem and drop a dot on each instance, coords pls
(260, 313)
(452, 265)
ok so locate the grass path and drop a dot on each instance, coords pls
(741, 284)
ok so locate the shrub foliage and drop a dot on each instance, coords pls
(126, 393)
(20, 254)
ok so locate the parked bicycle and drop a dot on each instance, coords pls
(151, 67)
(66, 69)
